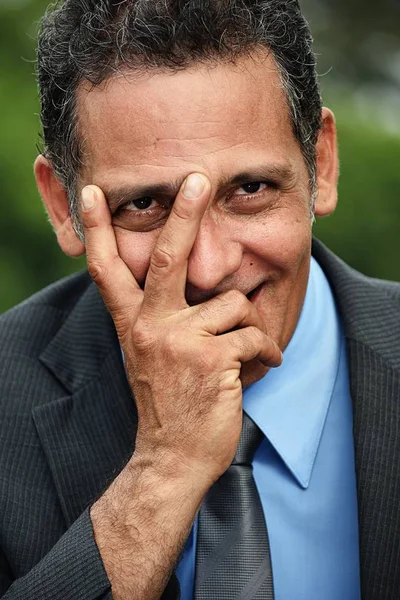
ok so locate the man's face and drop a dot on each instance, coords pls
(144, 134)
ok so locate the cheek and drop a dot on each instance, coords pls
(280, 240)
(136, 249)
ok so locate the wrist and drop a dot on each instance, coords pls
(141, 524)
(166, 471)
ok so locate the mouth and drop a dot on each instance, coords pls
(255, 292)
(193, 300)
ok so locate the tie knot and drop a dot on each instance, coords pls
(250, 439)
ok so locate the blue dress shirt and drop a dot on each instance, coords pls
(304, 469)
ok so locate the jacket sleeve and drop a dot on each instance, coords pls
(72, 570)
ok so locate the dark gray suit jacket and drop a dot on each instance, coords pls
(68, 424)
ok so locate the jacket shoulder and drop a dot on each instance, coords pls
(390, 288)
(33, 320)
(25, 331)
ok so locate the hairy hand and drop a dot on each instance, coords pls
(183, 362)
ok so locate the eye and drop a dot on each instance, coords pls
(251, 188)
(140, 204)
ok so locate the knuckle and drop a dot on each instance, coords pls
(182, 212)
(162, 260)
(143, 334)
(236, 298)
(97, 272)
(256, 335)
(101, 270)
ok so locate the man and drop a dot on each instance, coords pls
(186, 152)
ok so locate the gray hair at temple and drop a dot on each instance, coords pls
(92, 39)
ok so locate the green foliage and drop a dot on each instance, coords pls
(364, 230)
(29, 255)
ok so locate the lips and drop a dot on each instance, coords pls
(253, 295)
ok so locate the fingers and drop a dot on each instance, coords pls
(251, 343)
(117, 285)
(227, 311)
(166, 277)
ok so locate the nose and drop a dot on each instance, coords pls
(215, 257)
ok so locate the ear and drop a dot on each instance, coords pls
(55, 199)
(327, 166)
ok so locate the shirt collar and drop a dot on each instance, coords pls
(291, 402)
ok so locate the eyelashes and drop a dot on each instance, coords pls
(147, 205)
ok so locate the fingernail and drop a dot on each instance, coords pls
(88, 198)
(194, 186)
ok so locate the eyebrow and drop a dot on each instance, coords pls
(118, 196)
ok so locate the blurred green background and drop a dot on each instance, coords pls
(358, 46)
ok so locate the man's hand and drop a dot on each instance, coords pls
(183, 363)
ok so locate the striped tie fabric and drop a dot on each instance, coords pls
(233, 560)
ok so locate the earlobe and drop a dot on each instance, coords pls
(55, 199)
(327, 166)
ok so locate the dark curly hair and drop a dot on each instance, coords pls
(92, 39)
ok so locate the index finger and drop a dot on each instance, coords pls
(116, 283)
(166, 277)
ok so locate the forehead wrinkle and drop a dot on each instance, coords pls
(136, 144)
(174, 140)
(196, 150)
(213, 152)
(185, 139)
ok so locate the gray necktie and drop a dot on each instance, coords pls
(233, 559)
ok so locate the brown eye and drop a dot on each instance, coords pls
(251, 188)
(140, 204)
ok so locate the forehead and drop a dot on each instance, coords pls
(203, 118)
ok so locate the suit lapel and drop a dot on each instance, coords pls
(375, 390)
(371, 323)
(87, 434)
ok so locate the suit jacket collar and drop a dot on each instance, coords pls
(369, 307)
(88, 434)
